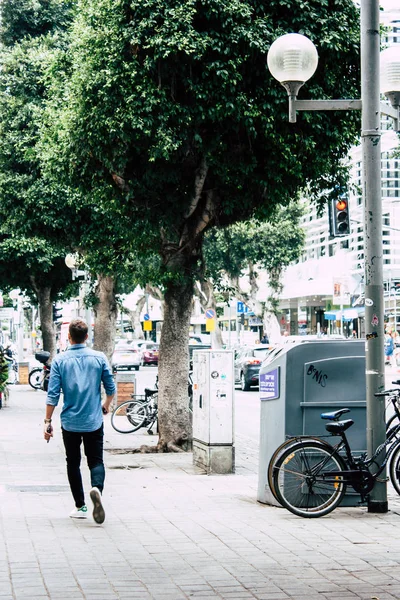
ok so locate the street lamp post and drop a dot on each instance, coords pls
(292, 60)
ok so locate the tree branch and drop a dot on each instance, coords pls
(201, 174)
(208, 214)
(120, 182)
(34, 284)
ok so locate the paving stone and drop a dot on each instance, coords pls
(172, 534)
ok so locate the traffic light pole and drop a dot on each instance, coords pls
(374, 309)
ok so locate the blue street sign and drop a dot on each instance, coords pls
(146, 317)
(240, 308)
(210, 313)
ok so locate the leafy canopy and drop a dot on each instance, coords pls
(167, 115)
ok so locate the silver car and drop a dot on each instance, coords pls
(126, 357)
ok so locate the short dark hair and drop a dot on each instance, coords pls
(78, 330)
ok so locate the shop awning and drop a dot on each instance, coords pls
(329, 315)
(349, 314)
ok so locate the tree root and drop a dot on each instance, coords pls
(182, 444)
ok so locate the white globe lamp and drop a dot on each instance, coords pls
(390, 74)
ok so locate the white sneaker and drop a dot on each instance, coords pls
(79, 513)
(98, 511)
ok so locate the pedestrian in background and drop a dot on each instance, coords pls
(79, 373)
(389, 348)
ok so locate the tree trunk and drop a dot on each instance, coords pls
(271, 327)
(106, 312)
(264, 310)
(207, 300)
(46, 319)
(173, 414)
(134, 317)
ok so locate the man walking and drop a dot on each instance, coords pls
(79, 372)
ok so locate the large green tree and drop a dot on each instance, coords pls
(37, 268)
(168, 117)
(39, 210)
(30, 206)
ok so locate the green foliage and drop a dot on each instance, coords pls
(3, 370)
(31, 18)
(30, 264)
(270, 245)
(32, 218)
(154, 89)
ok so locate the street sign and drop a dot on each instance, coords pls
(6, 313)
(146, 317)
(210, 313)
(240, 308)
(210, 325)
(147, 325)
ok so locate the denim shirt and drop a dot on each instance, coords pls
(78, 372)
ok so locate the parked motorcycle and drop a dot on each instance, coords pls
(39, 376)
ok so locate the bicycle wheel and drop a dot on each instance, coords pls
(129, 416)
(394, 470)
(391, 422)
(278, 453)
(303, 482)
(36, 378)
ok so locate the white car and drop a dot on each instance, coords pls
(126, 356)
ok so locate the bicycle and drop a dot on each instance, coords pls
(142, 410)
(310, 476)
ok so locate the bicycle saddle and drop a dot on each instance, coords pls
(149, 392)
(335, 415)
(339, 427)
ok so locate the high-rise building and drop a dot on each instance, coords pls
(324, 290)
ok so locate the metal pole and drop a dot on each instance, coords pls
(20, 329)
(229, 321)
(374, 308)
(146, 333)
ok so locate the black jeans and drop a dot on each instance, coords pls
(93, 446)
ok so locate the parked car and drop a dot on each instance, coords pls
(195, 339)
(149, 353)
(126, 357)
(247, 365)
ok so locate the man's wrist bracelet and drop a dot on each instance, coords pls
(47, 420)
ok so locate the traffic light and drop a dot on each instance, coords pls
(56, 313)
(339, 217)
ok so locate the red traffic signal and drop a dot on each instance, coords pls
(341, 205)
(339, 218)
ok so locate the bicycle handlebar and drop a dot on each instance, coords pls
(388, 392)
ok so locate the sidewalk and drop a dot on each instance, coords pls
(172, 533)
